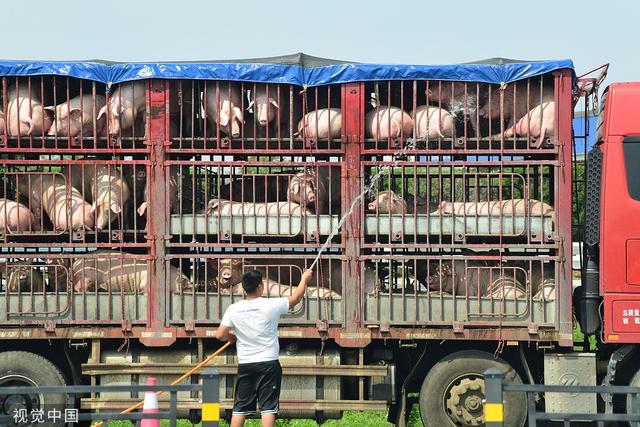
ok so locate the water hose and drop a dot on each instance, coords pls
(176, 382)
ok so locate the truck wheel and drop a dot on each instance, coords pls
(453, 391)
(21, 368)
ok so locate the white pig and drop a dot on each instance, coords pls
(25, 113)
(388, 202)
(109, 190)
(15, 217)
(75, 116)
(228, 116)
(502, 207)
(388, 122)
(227, 207)
(64, 205)
(265, 105)
(433, 122)
(320, 124)
(538, 123)
(126, 106)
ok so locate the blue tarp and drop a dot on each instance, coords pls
(298, 69)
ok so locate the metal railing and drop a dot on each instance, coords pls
(494, 406)
(70, 415)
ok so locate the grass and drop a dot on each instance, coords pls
(349, 419)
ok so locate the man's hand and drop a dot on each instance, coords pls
(301, 289)
(306, 277)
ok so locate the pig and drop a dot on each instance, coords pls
(501, 207)
(227, 207)
(223, 107)
(125, 109)
(388, 122)
(109, 191)
(545, 290)
(455, 277)
(25, 113)
(506, 288)
(317, 190)
(538, 123)
(264, 101)
(75, 117)
(24, 277)
(275, 289)
(456, 97)
(15, 217)
(388, 202)
(109, 272)
(518, 99)
(229, 271)
(2, 125)
(433, 122)
(323, 123)
(64, 204)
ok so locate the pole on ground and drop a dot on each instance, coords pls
(493, 405)
(210, 397)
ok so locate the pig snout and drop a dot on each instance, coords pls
(372, 206)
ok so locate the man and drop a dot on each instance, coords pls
(254, 321)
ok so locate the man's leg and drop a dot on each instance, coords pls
(268, 420)
(269, 392)
(237, 420)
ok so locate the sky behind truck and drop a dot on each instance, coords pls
(405, 32)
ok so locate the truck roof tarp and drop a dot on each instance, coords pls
(298, 69)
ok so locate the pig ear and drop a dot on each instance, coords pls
(295, 187)
(250, 105)
(142, 208)
(50, 108)
(274, 102)
(94, 207)
(102, 112)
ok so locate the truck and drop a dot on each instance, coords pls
(437, 206)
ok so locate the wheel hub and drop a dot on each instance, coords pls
(463, 401)
(12, 403)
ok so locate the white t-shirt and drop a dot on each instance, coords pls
(255, 323)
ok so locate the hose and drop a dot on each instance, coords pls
(176, 382)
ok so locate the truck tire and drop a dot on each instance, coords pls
(21, 368)
(453, 391)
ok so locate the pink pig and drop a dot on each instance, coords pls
(321, 124)
(126, 106)
(15, 217)
(75, 116)
(388, 122)
(538, 123)
(222, 105)
(265, 105)
(433, 122)
(25, 113)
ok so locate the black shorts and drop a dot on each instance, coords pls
(258, 383)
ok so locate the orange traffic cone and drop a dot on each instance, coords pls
(150, 406)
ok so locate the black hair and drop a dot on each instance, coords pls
(251, 280)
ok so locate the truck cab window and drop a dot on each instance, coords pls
(631, 150)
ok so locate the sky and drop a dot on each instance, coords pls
(410, 32)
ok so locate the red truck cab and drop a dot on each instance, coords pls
(619, 249)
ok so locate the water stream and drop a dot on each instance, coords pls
(367, 189)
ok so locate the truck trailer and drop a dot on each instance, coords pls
(435, 204)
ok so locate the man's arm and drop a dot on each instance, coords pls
(302, 288)
(223, 333)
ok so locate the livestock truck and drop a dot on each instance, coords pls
(438, 198)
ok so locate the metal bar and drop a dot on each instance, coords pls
(210, 397)
(493, 405)
(173, 414)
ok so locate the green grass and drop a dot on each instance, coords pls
(349, 419)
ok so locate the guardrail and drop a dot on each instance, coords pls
(494, 404)
(23, 412)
